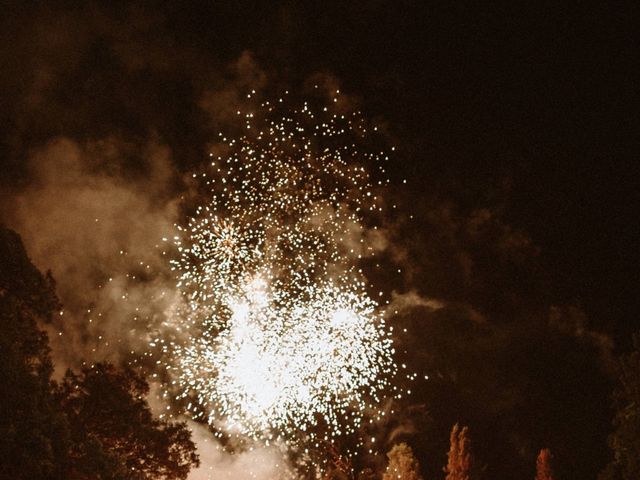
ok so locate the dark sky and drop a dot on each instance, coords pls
(530, 107)
(526, 111)
(533, 106)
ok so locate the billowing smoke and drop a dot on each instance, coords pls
(94, 210)
(81, 218)
(105, 120)
(256, 463)
(100, 233)
(98, 212)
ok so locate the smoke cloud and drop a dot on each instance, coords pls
(96, 197)
(257, 463)
(88, 223)
(97, 227)
(106, 119)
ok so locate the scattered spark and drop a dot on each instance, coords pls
(279, 338)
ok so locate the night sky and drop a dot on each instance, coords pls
(515, 127)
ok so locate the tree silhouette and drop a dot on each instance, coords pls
(402, 464)
(544, 466)
(33, 433)
(460, 458)
(112, 425)
(96, 424)
(625, 439)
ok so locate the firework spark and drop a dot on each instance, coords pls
(283, 337)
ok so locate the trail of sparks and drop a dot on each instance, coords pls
(282, 338)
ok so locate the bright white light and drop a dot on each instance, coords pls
(283, 336)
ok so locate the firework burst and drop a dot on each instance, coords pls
(283, 341)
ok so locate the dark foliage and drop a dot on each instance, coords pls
(33, 434)
(96, 424)
(112, 425)
(625, 439)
